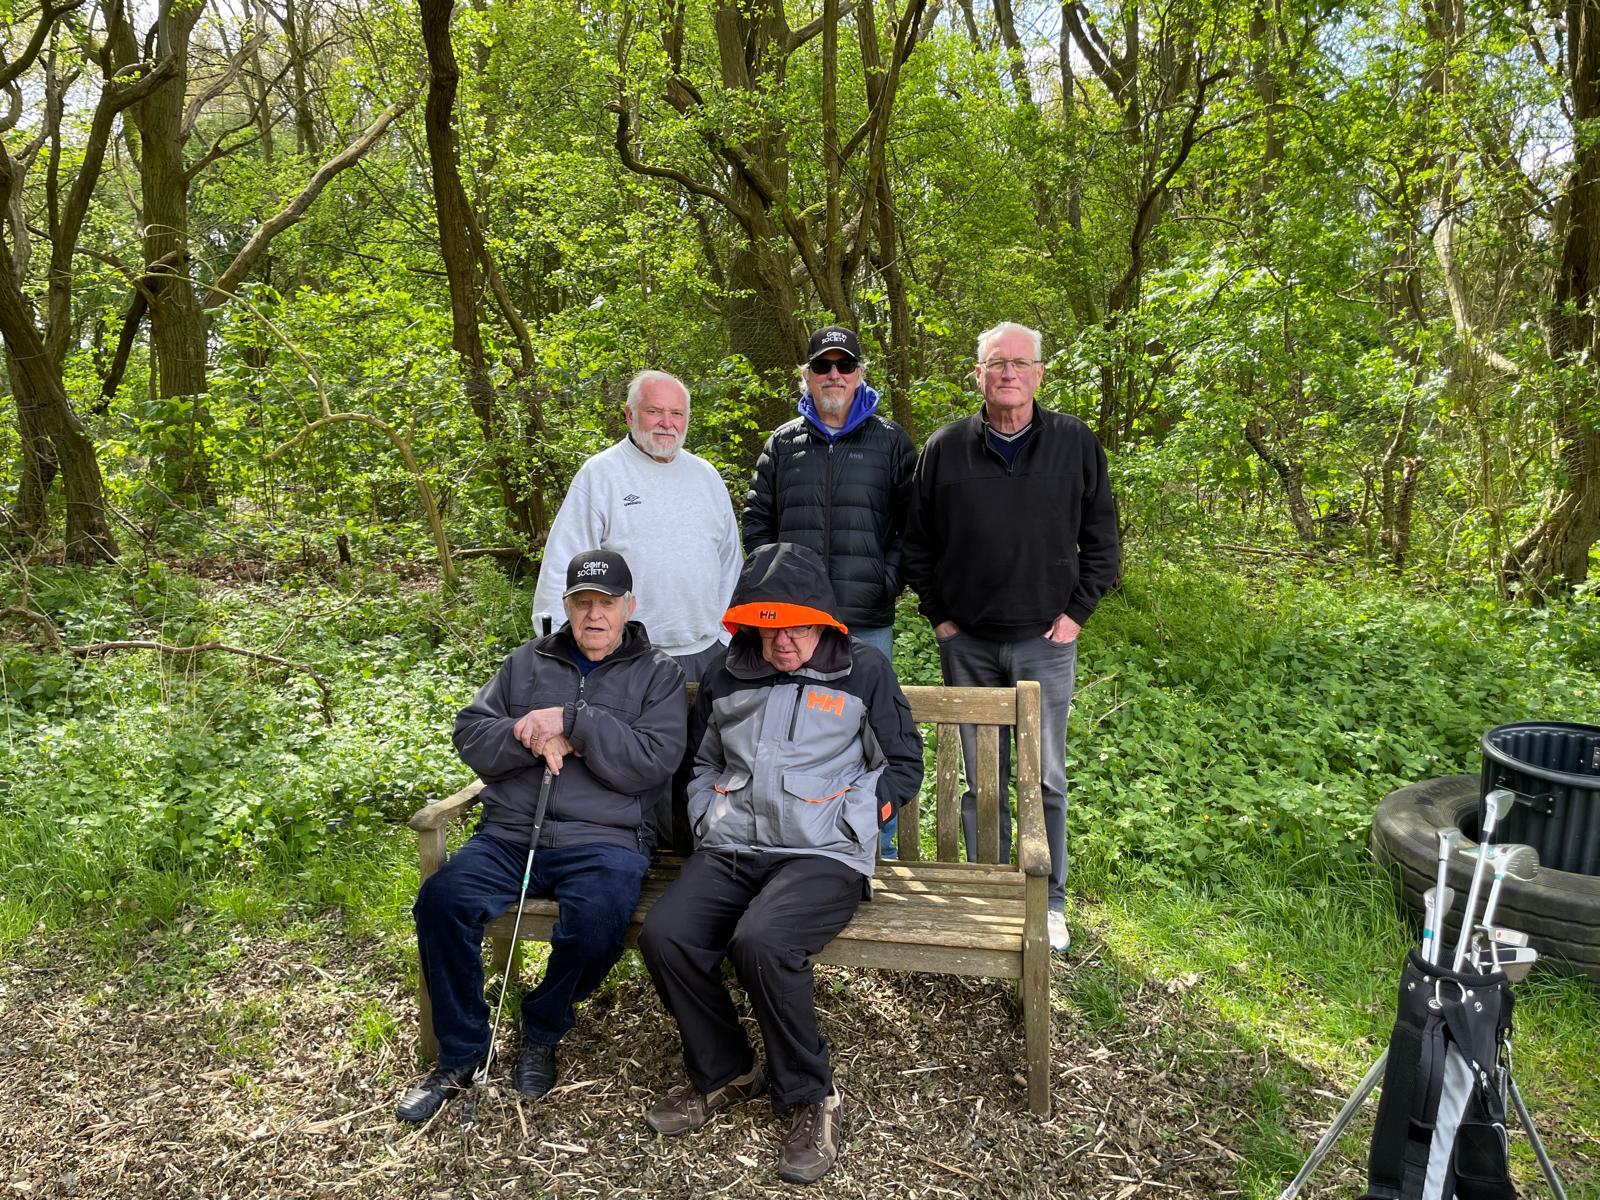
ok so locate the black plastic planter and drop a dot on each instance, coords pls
(1553, 769)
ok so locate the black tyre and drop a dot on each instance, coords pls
(1558, 910)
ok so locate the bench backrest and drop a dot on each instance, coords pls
(993, 711)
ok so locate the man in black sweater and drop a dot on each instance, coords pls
(1012, 541)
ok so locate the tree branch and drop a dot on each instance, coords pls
(220, 84)
(624, 145)
(245, 259)
(98, 648)
(48, 16)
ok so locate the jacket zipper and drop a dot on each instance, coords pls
(827, 516)
(794, 717)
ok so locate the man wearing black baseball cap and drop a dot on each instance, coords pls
(601, 712)
(837, 480)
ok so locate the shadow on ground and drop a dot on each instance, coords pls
(273, 1072)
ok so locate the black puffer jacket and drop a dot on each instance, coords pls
(846, 501)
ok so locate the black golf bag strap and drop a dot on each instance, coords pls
(1386, 1161)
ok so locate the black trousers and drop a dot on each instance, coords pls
(767, 914)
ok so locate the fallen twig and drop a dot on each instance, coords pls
(221, 647)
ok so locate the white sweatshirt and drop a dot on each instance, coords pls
(672, 521)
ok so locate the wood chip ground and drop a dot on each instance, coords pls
(274, 1071)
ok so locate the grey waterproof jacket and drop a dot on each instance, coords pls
(806, 762)
(626, 720)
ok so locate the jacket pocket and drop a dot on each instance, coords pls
(816, 808)
(714, 806)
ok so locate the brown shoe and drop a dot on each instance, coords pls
(812, 1146)
(687, 1109)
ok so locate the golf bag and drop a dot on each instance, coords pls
(1441, 1127)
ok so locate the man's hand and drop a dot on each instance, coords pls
(1063, 630)
(538, 726)
(555, 750)
(946, 629)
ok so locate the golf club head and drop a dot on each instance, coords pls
(1499, 935)
(1495, 805)
(1519, 963)
(1435, 904)
(1513, 964)
(1515, 861)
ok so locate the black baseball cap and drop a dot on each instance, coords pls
(833, 337)
(598, 571)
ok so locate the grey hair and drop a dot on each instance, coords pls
(989, 335)
(637, 384)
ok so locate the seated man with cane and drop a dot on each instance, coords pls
(576, 737)
(803, 746)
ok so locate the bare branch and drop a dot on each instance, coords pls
(217, 150)
(101, 648)
(296, 209)
(220, 84)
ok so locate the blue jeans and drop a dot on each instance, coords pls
(881, 639)
(596, 887)
(967, 660)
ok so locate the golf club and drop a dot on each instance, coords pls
(481, 1075)
(1495, 805)
(1435, 903)
(1501, 936)
(1513, 964)
(1433, 930)
(1515, 860)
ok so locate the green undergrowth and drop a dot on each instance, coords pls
(1229, 740)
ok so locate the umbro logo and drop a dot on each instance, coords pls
(630, 499)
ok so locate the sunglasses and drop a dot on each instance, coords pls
(826, 366)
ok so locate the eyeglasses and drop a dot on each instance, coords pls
(1019, 365)
(826, 366)
(795, 633)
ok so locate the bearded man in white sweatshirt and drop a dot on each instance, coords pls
(664, 510)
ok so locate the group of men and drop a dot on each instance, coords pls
(800, 747)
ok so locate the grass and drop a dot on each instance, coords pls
(1229, 741)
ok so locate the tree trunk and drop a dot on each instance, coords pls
(1556, 553)
(39, 465)
(89, 539)
(177, 322)
(523, 503)
(1291, 474)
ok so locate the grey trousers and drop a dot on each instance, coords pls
(969, 661)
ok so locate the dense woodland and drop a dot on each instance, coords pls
(1320, 276)
(311, 309)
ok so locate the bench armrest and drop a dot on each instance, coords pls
(432, 822)
(1033, 848)
(441, 812)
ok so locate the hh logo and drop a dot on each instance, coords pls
(827, 703)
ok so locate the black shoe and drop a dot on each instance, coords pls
(427, 1097)
(535, 1072)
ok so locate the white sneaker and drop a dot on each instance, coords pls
(1060, 936)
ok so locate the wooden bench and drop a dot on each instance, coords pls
(941, 915)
